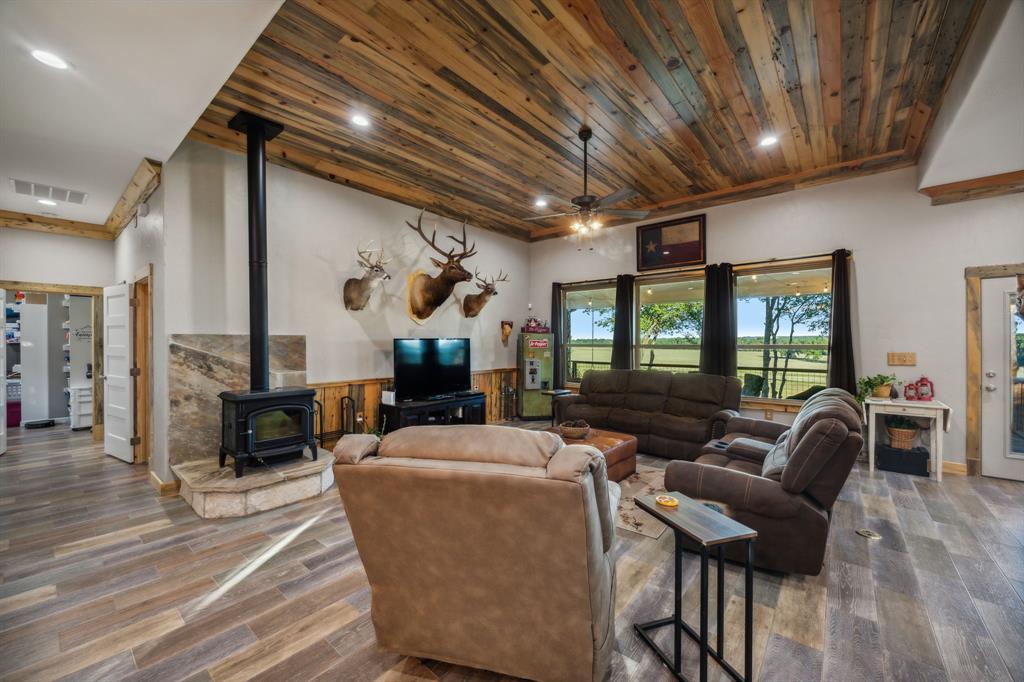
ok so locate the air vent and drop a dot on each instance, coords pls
(41, 191)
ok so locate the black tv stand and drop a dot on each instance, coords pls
(465, 408)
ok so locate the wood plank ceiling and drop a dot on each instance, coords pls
(475, 106)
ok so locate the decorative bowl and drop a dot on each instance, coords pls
(573, 431)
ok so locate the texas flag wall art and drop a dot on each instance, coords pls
(670, 244)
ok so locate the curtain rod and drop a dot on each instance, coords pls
(698, 268)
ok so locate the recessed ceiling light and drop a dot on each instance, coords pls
(47, 202)
(541, 202)
(360, 120)
(768, 140)
(49, 59)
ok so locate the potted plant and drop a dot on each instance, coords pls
(902, 431)
(877, 386)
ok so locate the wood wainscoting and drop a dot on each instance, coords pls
(366, 394)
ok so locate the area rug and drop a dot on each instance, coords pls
(646, 481)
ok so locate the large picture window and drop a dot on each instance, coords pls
(669, 319)
(589, 322)
(782, 317)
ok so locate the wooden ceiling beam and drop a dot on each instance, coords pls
(975, 188)
(41, 223)
(144, 182)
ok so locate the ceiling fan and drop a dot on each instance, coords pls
(588, 208)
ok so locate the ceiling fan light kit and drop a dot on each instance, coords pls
(587, 208)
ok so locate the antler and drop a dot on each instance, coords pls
(364, 254)
(466, 253)
(418, 229)
(501, 277)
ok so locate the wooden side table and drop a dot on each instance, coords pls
(554, 393)
(938, 412)
(708, 528)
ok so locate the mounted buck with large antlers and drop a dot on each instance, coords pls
(472, 304)
(426, 292)
(357, 290)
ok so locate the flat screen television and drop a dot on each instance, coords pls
(430, 368)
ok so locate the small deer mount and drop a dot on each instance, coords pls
(428, 292)
(472, 304)
(357, 290)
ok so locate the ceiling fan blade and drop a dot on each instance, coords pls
(552, 198)
(624, 213)
(544, 217)
(615, 197)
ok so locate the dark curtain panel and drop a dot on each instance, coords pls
(558, 376)
(841, 373)
(622, 337)
(718, 337)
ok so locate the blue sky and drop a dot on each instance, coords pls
(749, 314)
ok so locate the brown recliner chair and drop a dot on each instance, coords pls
(486, 546)
(779, 480)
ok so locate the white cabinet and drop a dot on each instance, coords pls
(81, 407)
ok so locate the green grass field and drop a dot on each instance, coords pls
(796, 380)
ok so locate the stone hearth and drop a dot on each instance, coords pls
(216, 493)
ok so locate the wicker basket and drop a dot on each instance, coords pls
(883, 391)
(901, 439)
(573, 432)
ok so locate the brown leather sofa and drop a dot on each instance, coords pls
(672, 415)
(486, 546)
(780, 480)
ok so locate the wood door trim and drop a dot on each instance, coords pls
(973, 277)
(143, 399)
(44, 288)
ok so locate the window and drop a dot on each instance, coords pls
(589, 322)
(782, 320)
(670, 314)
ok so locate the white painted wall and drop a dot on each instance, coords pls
(908, 264)
(55, 259)
(979, 131)
(139, 245)
(313, 228)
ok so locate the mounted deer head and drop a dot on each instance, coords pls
(357, 291)
(472, 304)
(426, 292)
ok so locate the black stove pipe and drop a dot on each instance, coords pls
(257, 132)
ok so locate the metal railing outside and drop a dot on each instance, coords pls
(772, 382)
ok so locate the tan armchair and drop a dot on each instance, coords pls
(486, 546)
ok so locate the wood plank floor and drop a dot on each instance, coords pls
(100, 579)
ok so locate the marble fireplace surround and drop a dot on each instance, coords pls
(201, 366)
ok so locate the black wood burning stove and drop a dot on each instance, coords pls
(261, 423)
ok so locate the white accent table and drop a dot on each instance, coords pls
(938, 412)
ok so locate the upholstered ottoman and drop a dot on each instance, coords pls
(619, 450)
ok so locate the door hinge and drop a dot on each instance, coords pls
(135, 372)
(133, 302)
(136, 440)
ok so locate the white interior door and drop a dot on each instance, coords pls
(3, 378)
(1002, 381)
(118, 383)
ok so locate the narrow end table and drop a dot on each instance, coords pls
(708, 529)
